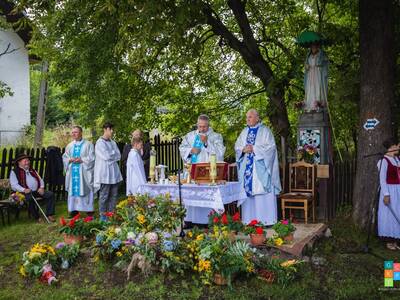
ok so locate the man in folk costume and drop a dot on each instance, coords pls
(196, 147)
(258, 170)
(24, 179)
(389, 177)
(79, 166)
(135, 173)
(107, 175)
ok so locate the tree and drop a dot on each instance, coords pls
(377, 87)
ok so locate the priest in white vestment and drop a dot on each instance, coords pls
(135, 174)
(78, 162)
(107, 174)
(196, 147)
(258, 171)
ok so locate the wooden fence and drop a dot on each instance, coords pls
(168, 153)
(343, 180)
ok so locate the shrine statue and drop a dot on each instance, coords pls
(315, 78)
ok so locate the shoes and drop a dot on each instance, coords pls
(392, 246)
(51, 219)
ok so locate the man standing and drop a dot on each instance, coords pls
(258, 170)
(79, 166)
(106, 170)
(24, 179)
(196, 147)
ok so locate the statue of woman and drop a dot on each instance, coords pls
(315, 78)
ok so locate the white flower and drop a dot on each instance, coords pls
(117, 230)
(131, 235)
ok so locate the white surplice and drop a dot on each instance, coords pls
(135, 175)
(106, 168)
(215, 144)
(83, 202)
(261, 204)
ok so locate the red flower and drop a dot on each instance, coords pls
(88, 219)
(62, 221)
(215, 220)
(71, 223)
(224, 219)
(236, 217)
(253, 222)
(109, 214)
(259, 230)
(76, 217)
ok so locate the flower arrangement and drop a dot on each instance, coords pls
(36, 258)
(283, 228)
(18, 198)
(307, 153)
(78, 226)
(67, 254)
(233, 223)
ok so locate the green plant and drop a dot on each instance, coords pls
(233, 223)
(254, 227)
(80, 226)
(67, 254)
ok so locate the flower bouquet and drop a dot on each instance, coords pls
(18, 198)
(34, 260)
(307, 153)
(256, 231)
(232, 223)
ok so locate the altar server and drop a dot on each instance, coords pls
(258, 170)
(135, 174)
(107, 175)
(78, 162)
(196, 147)
(389, 177)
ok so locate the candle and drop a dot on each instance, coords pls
(152, 163)
(213, 167)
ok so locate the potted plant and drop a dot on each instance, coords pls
(77, 228)
(256, 231)
(307, 153)
(284, 229)
(67, 254)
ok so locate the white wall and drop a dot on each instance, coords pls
(14, 71)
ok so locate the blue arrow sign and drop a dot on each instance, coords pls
(370, 124)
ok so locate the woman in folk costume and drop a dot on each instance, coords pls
(389, 177)
(258, 171)
(196, 147)
(79, 166)
(135, 174)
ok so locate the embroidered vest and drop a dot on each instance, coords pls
(393, 173)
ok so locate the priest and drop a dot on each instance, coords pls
(196, 147)
(258, 171)
(78, 162)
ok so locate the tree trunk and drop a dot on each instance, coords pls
(41, 112)
(377, 86)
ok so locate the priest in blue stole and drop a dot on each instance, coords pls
(258, 171)
(196, 147)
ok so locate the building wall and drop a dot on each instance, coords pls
(14, 71)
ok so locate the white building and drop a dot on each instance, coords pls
(14, 72)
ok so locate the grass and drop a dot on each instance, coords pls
(343, 275)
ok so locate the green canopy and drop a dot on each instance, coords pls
(306, 38)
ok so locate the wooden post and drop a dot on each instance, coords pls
(40, 116)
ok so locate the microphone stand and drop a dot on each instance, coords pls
(182, 233)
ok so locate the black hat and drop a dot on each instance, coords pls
(21, 156)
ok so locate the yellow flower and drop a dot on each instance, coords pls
(204, 265)
(51, 250)
(119, 253)
(250, 269)
(32, 255)
(190, 234)
(278, 241)
(22, 270)
(122, 204)
(141, 219)
(288, 263)
(125, 249)
(200, 237)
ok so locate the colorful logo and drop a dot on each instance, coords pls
(391, 272)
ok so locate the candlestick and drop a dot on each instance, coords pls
(213, 168)
(152, 168)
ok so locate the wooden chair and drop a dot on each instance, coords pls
(4, 199)
(301, 196)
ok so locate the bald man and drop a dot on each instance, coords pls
(258, 170)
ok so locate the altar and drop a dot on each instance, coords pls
(199, 195)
